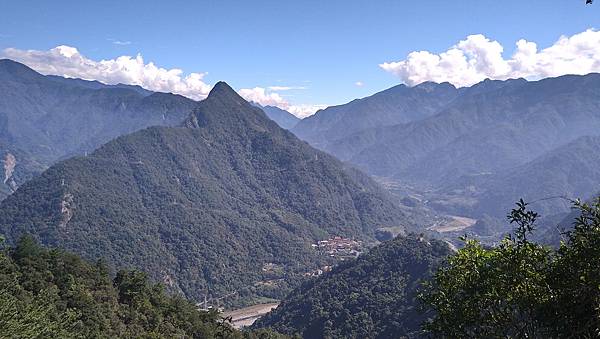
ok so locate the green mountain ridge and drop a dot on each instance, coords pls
(44, 119)
(370, 297)
(203, 207)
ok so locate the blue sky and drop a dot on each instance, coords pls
(324, 46)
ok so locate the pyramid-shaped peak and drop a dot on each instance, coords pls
(221, 89)
(225, 108)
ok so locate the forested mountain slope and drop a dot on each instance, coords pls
(202, 207)
(47, 118)
(370, 297)
(55, 294)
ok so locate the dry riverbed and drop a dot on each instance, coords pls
(247, 316)
(453, 224)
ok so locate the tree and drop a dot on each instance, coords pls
(575, 277)
(520, 288)
(55, 294)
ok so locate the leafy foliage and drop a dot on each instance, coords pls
(520, 288)
(55, 294)
(370, 297)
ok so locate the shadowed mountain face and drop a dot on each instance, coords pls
(47, 118)
(282, 117)
(477, 150)
(570, 171)
(370, 297)
(204, 206)
(555, 229)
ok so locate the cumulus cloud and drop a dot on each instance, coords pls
(263, 96)
(267, 97)
(478, 57)
(67, 61)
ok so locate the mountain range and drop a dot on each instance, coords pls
(222, 199)
(396, 105)
(47, 118)
(476, 150)
(204, 206)
(282, 117)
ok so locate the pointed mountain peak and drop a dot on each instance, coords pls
(222, 89)
(224, 96)
(225, 108)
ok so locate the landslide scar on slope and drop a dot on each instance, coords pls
(10, 161)
(66, 209)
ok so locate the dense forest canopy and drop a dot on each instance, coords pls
(373, 296)
(521, 289)
(55, 294)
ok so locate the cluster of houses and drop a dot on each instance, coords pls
(318, 271)
(339, 247)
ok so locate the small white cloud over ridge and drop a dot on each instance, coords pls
(263, 96)
(477, 58)
(302, 111)
(67, 61)
(267, 97)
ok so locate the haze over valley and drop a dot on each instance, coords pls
(211, 174)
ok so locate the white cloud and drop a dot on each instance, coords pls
(477, 58)
(263, 96)
(267, 97)
(68, 62)
(285, 88)
(302, 111)
(359, 84)
(119, 42)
